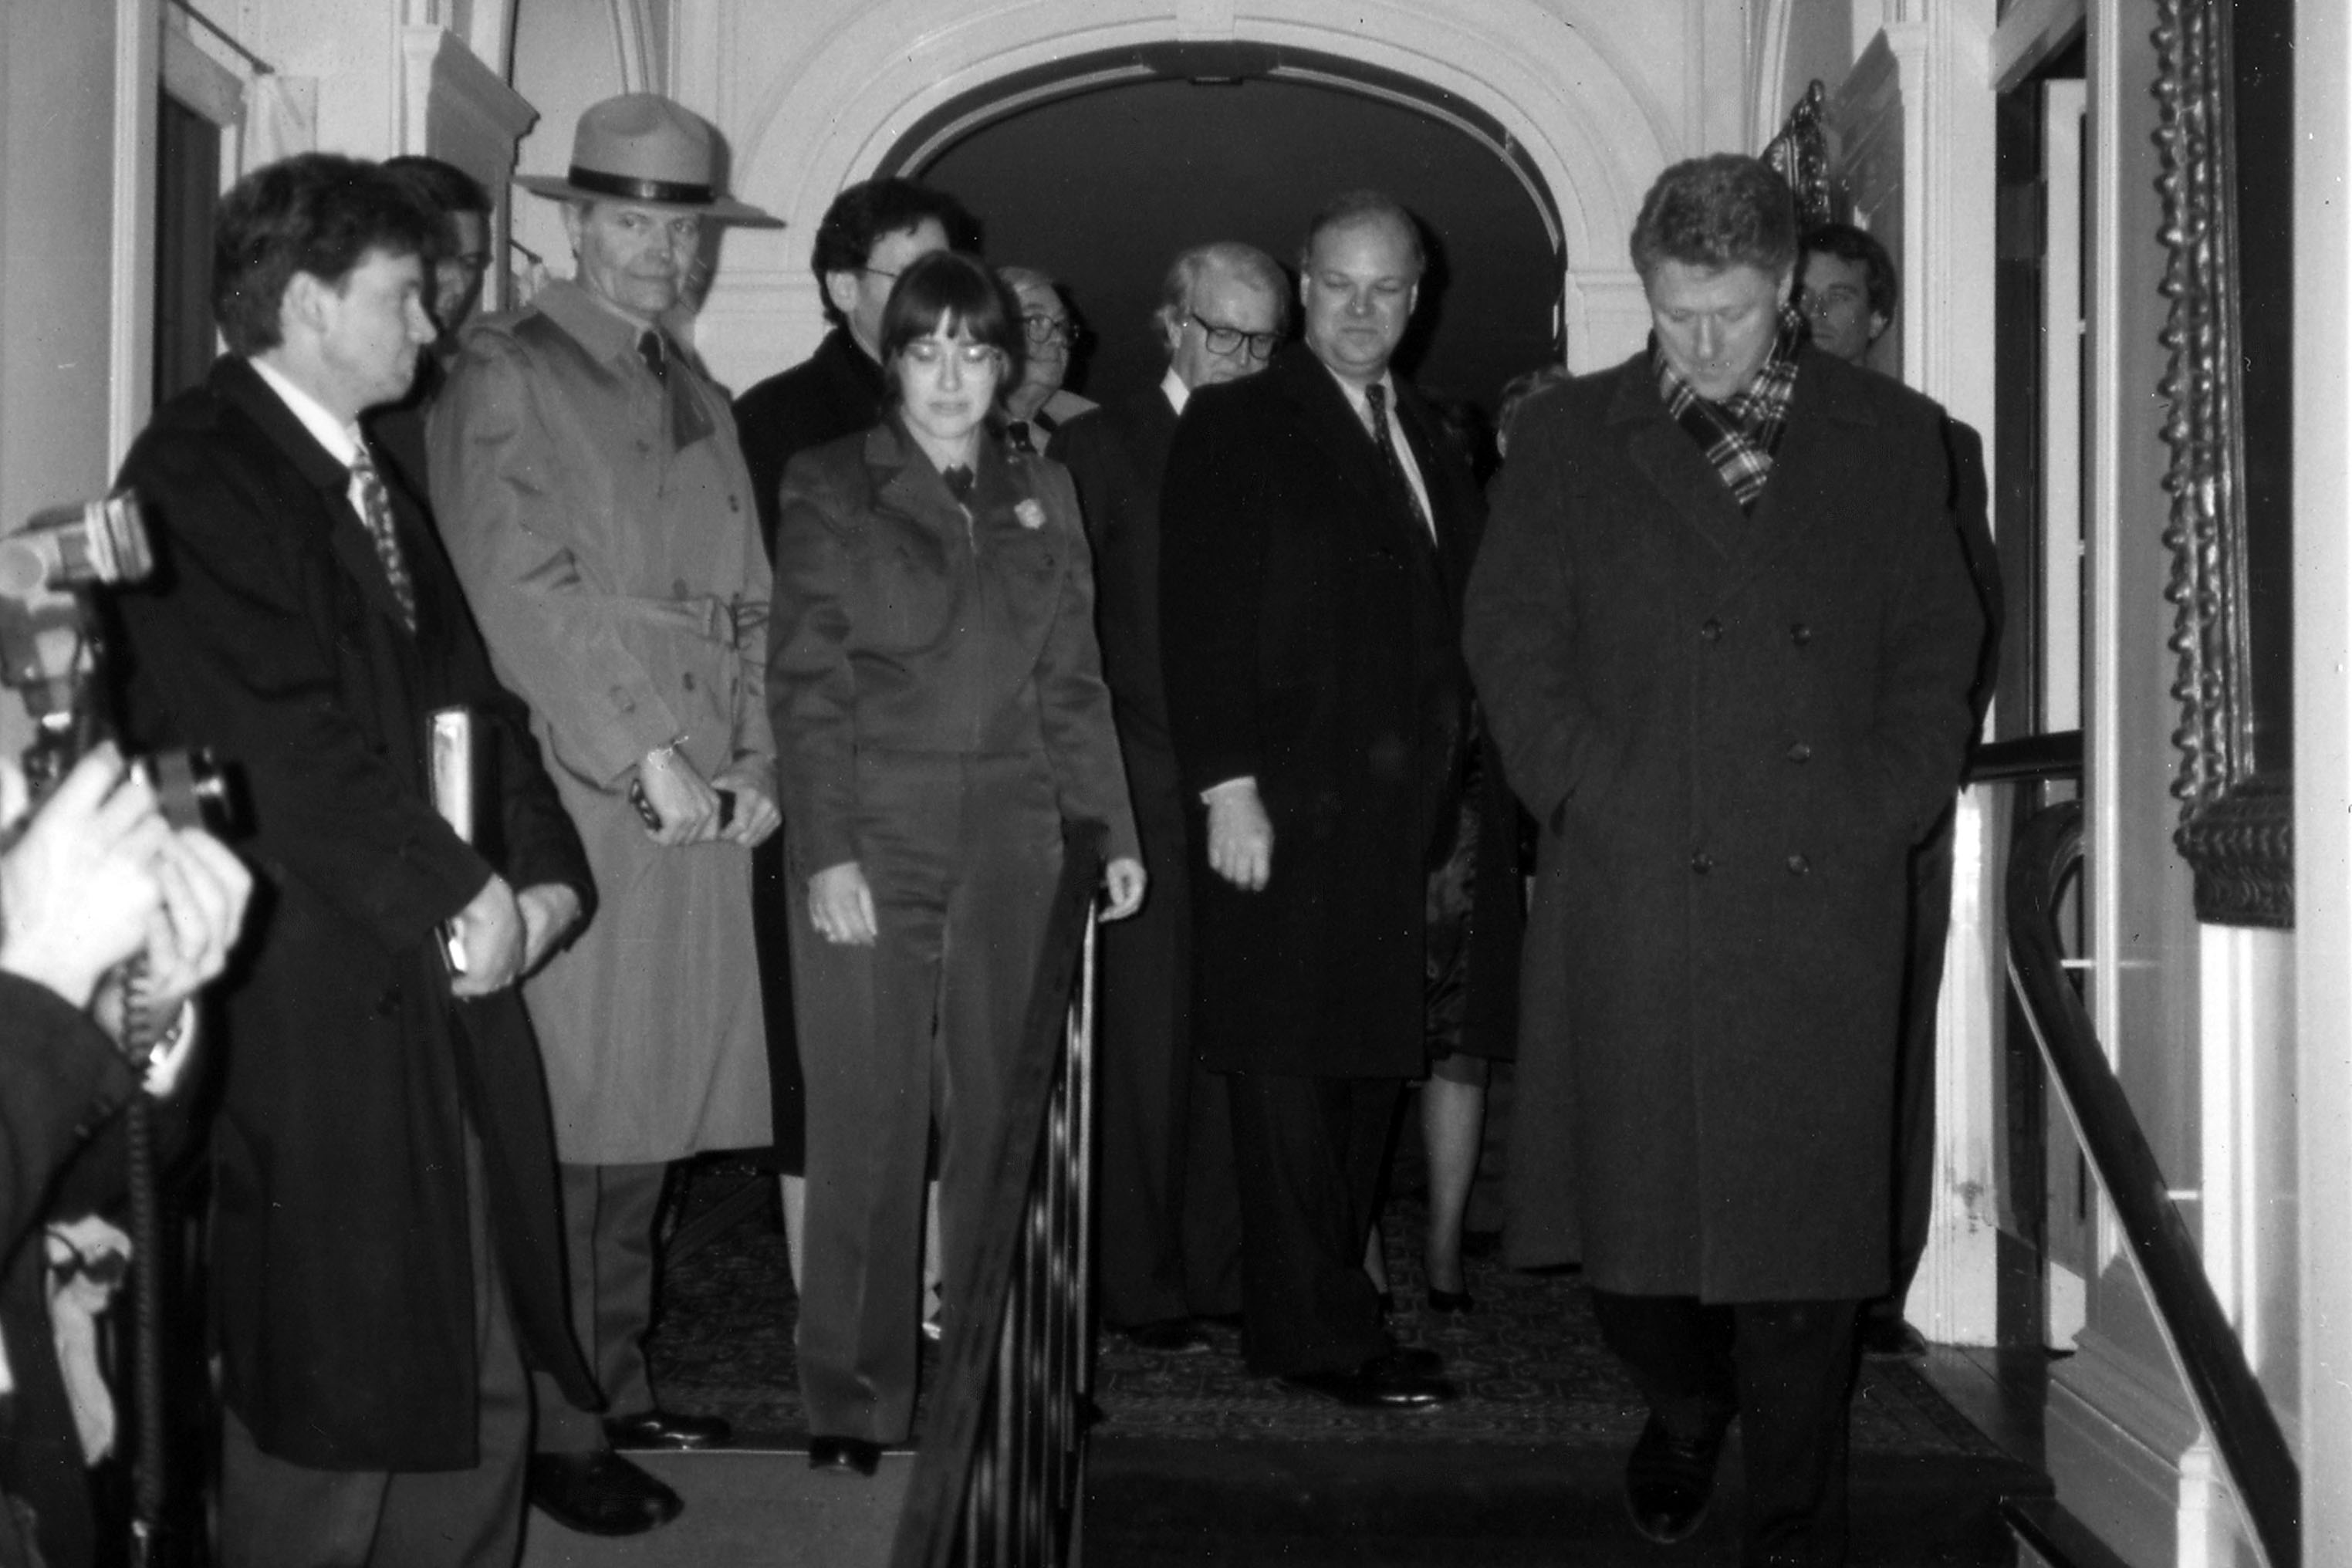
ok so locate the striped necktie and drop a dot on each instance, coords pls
(1376, 398)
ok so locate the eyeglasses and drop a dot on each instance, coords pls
(930, 354)
(1042, 329)
(882, 272)
(1225, 340)
(1836, 296)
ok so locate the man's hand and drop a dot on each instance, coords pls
(675, 788)
(549, 910)
(491, 933)
(841, 906)
(756, 816)
(79, 891)
(206, 889)
(1241, 836)
(1123, 884)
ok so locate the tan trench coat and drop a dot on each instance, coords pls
(603, 527)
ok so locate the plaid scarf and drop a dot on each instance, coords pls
(1740, 434)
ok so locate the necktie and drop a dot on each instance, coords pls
(375, 511)
(1376, 397)
(656, 358)
(1017, 432)
(959, 478)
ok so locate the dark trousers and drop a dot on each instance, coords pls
(1785, 1368)
(608, 1250)
(961, 854)
(1914, 1062)
(1308, 1155)
(1168, 1228)
(278, 1514)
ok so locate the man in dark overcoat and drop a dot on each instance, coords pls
(1317, 529)
(385, 1259)
(1171, 1229)
(868, 234)
(1724, 631)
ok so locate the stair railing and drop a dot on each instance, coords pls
(2205, 1348)
(999, 1477)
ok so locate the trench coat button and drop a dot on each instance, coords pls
(1713, 630)
(1801, 752)
(734, 503)
(1798, 865)
(678, 587)
(1702, 863)
(688, 678)
(1800, 632)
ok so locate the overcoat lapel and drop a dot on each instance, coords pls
(1666, 456)
(347, 536)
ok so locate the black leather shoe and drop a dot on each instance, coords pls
(668, 1429)
(1451, 1301)
(1169, 1336)
(1669, 1480)
(1389, 1382)
(600, 1493)
(845, 1455)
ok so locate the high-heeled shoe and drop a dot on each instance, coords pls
(1451, 1301)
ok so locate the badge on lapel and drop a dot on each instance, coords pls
(1031, 514)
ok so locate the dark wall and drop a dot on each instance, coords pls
(1102, 189)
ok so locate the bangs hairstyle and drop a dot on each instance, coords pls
(1715, 212)
(958, 289)
(314, 213)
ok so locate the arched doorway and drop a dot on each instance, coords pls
(1566, 96)
(1102, 170)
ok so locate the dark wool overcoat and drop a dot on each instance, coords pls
(344, 1293)
(1733, 728)
(1309, 640)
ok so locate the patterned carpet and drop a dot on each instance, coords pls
(1529, 1361)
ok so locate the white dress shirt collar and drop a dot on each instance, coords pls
(342, 441)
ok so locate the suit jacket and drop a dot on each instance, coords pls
(602, 522)
(835, 391)
(1309, 637)
(902, 625)
(1733, 728)
(344, 1293)
(1116, 455)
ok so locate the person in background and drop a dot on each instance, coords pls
(587, 480)
(460, 260)
(1169, 1232)
(1038, 403)
(1846, 290)
(868, 236)
(941, 714)
(1724, 631)
(385, 1261)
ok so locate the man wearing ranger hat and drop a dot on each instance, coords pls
(587, 477)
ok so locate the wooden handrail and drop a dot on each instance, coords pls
(997, 1477)
(2205, 1348)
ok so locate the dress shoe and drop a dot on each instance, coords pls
(1387, 1382)
(600, 1493)
(666, 1429)
(845, 1455)
(1451, 1301)
(1168, 1336)
(1890, 1338)
(1415, 1359)
(1669, 1480)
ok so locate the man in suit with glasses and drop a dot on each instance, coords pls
(1170, 1245)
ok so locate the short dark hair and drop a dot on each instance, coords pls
(953, 288)
(1848, 243)
(1357, 206)
(442, 186)
(1246, 262)
(864, 213)
(315, 213)
(1717, 212)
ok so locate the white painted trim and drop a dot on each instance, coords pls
(2113, 1439)
(453, 107)
(200, 81)
(130, 281)
(2111, 318)
(2027, 35)
(2062, 326)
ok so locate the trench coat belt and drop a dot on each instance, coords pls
(737, 623)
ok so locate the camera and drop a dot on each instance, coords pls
(52, 648)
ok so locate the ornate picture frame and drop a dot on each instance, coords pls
(2234, 779)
